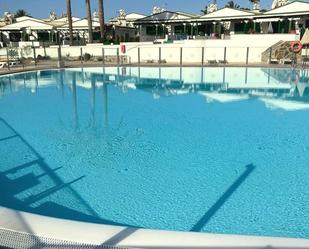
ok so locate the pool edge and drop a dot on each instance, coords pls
(97, 234)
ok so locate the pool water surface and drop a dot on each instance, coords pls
(219, 150)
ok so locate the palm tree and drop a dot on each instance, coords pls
(20, 13)
(88, 12)
(204, 11)
(231, 4)
(101, 19)
(69, 16)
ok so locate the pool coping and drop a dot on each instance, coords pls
(95, 65)
(77, 232)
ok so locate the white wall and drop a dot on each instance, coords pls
(236, 49)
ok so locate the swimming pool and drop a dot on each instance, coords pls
(220, 150)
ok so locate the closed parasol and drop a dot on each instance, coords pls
(305, 38)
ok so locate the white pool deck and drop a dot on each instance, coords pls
(96, 234)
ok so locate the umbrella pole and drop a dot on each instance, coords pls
(306, 55)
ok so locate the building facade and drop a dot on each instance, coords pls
(55, 31)
(162, 25)
(288, 18)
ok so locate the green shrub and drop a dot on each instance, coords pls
(87, 57)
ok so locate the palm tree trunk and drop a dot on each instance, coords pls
(69, 16)
(101, 19)
(88, 10)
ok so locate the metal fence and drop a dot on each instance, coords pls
(13, 58)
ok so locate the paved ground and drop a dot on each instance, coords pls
(70, 64)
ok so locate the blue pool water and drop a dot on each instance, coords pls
(220, 150)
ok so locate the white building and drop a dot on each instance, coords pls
(28, 30)
(290, 18)
(127, 20)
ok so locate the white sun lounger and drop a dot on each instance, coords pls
(2, 64)
(11, 64)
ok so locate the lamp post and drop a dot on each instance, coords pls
(199, 28)
(21, 35)
(279, 25)
(29, 31)
(290, 24)
(60, 38)
(214, 27)
(163, 27)
(246, 26)
(220, 30)
(156, 31)
(254, 26)
(296, 27)
(194, 28)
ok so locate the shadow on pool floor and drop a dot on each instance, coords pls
(220, 202)
(11, 187)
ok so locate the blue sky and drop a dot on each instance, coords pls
(41, 8)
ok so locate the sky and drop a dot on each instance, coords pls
(42, 8)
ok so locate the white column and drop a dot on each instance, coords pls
(157, 30)
(172, 29)
(296, 27)
(214, 28)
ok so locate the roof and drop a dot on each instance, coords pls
(80, 24)
(34, 25)
(293, 8)
(65, 19)
(166, 16)
(227, 14)
(187, 14)
(23, 18)
(129, 17)
(61, 21)
(134, 16)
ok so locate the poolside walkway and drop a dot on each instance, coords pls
(52, 64)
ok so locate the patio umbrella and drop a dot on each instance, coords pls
(301, 87)
(270, 28)
(305, 39)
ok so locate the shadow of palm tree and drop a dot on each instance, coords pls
(221, 201)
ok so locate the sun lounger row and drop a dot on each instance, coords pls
(210, 62)
(215, 62)
(10, 63)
